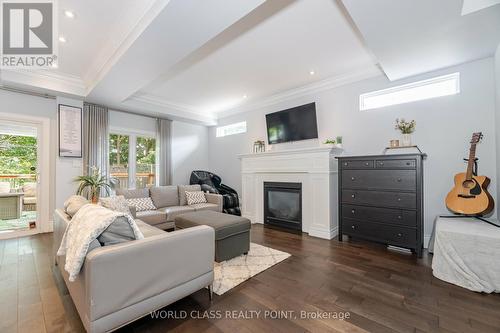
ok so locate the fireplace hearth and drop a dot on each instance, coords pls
(283, 205)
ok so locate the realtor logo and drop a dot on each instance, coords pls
(29, 32)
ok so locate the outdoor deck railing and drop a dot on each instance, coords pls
(17, 180)
(142, 179)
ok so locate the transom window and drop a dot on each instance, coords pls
(436, 87)
(231, 129)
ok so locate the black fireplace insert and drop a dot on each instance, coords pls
(283, 205)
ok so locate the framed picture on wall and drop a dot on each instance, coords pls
(70, 131)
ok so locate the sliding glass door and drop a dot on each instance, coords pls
(132, 160)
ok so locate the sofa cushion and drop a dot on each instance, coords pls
(205, 206)
(131, 194)
(141, 204)
(172, 212)
(152, 217)
(148, 230)
(119, 231)
(182, 192)
(165, 196)
(29, 189)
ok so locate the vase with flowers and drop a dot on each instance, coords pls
(406, 128)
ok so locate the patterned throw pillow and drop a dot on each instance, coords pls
(195, 197)
(117, 203)
(141, 204)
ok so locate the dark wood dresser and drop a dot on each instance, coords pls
(381, 199)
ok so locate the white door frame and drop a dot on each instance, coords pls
(44, 187)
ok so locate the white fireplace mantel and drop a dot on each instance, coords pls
(315, 168)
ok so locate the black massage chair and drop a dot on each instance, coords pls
(213, 184)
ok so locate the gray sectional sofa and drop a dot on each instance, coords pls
(170, 202)
(121, 283)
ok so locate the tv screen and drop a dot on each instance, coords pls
(295, 124)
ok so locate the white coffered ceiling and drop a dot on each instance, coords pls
(200, 60)
(412, 37)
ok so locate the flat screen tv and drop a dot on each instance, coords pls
(295, 124)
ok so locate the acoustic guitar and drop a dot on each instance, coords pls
(469, 196)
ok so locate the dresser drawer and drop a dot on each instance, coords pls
(401, 217)
(380, 179)
(396, 164)
(357, 164)
(379, 198)
(393, 235)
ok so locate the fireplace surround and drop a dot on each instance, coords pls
(315, 168)
(283, 205)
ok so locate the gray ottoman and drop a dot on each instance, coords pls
(232, 233)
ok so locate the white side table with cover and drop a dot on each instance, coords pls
(466, 253)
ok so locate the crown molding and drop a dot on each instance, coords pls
(174, 109)
(306, 90)
(51, 80)
(110, 54)
(309, 89)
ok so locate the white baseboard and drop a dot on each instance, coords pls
(321, 233)
(427, 238)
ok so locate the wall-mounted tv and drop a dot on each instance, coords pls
(295, 124)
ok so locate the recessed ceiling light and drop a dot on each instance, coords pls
(311, 73)
(244, 96)
(69, 14)
(62, 39)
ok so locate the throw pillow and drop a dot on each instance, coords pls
(29, 190)
(74, 203)
(195, 197)
(117, 203)
(141, 204)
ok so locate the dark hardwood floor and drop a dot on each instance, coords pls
(383, 291)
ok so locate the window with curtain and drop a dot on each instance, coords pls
(132, 160)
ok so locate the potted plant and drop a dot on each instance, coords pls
(329, 142)
(92, 184)
(406, 128)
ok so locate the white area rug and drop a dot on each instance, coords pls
(228, 274)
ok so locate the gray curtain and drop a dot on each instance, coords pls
(95, 139)
(164, 139)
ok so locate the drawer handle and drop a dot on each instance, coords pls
(367, 164)
(408, 163)
(353, 195)
(346, 164)
(399, 199)
(399, 217)
(381, 163)
(353, 179)
(353, 211)
(353, 226)
(399, 180)
(400, 235)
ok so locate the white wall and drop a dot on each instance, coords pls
(189, 150)
(67, 169)
(497, 123)
(444, 128)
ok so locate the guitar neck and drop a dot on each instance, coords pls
(470, 163)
